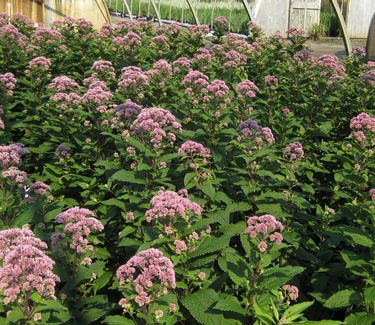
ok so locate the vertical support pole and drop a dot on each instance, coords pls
(125, 2)
(156, 11)
(344, 30)
(192, 9)
(248, 9)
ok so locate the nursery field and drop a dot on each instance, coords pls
(152, 175)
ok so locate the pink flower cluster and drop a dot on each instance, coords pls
(246, 89)
(155, 122)
(39, 188)
(150, 272)
(38, 65)
(64, 100)
(132, 79)
(11, 238)
(46, 36)
(363, 128)
(160, 40)
(103, 70)
(160, 68)
(203, 57)
(10, 155)
(8, 81)
(198, 31)
(20, 20)
(263, 228)
(369, 77)
(180, 246)
(294, 151)
(292, 292)
(65, 89)
(234, 59)
(296, 33)
(220, 24)
(128, 110)
(128, 42)
(17, 176)
(195, 79)
(194, 149)
(63, 84)
(97, 94)
(169, 205)
(11, 35)
(372, 194)
(331, 67)
(218, 88)
(79, 223)
(251, 129)
(182, 64)
(40, 62)
(271, 80)
(26, 267)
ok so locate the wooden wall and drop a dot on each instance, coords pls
(30, 8)
(44, 12)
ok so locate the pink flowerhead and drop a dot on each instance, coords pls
(294, 151)
(146, 271)
(169, 205)
(79, 223)
(291, 291)
(264, 228)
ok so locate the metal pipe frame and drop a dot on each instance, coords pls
(192, 9)
(156, 11)
(247, 8)
(128, 10)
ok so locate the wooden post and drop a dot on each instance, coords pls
(370, 46)
(344, 30)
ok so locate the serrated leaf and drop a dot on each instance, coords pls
(296, 309)
(210, 245)
(342, 299)
(127, 177)
(230, 304)
(117, 320)
(273, 278)
(200, 305)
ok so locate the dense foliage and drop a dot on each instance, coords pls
(154, 175)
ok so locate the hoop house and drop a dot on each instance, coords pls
(44, 12)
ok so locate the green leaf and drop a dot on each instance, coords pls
(237, 268)
(114, 202)
(210, 245)
(117, 320)
(358, 235)
(91, 315)
(369, 294)
(273, 278)
(127, 176)
(342, 299)
(296, 310)
(230, 304)
(200, 305)
(263, 314)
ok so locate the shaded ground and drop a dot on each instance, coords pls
(332, 46)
